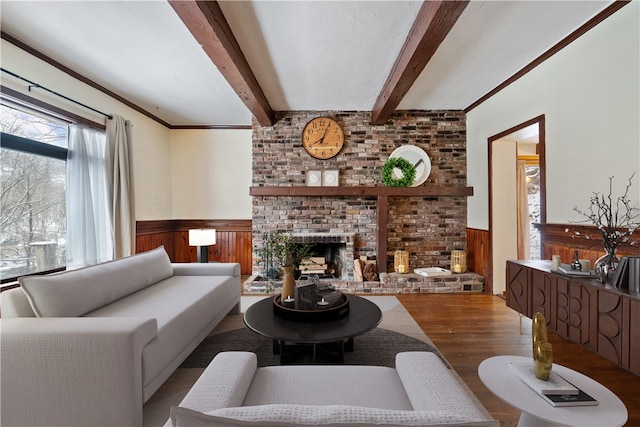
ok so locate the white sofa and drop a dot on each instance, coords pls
(88, 347)
(420, 391)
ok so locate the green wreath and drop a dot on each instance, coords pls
(407, 169)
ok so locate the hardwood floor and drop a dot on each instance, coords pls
(468, 328)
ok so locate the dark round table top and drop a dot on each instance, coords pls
(363, 316)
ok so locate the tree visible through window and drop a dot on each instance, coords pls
(32, 193)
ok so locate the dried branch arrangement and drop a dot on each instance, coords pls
(614, 217)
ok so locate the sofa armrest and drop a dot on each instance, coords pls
(73, 371)
(206, 269)
(223, 384)
(14, 303)
(432, 386)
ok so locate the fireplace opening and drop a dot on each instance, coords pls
(328, 261)
(332, 257)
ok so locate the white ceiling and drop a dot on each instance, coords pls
(305, 55)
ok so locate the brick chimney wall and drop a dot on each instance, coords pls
(428, 227)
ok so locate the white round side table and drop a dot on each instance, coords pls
(536, 412)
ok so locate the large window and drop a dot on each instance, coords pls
(32, 204)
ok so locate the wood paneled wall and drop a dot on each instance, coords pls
(478, 255)
(555, 239)
(233, 240)
(561, 239)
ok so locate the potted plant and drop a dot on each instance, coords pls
(284, 251)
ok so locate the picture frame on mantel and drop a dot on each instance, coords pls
(330, 178)
(314, 178)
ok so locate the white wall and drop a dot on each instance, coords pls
(590, 95)
(211, 174)
(178, 174)
(150, 140)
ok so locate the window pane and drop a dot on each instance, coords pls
(33, 126)
(32, 201)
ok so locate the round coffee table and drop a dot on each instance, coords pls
(536, 412)
(328, 339)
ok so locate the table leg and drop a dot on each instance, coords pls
(348, 346)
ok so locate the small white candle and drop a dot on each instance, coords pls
(323, 303)
(288, 301)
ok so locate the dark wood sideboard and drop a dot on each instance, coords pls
(600, 317)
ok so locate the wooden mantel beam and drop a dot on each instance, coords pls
(434, 21)
(207, 23)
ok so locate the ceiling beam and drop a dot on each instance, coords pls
(434, 21)
(207, 23)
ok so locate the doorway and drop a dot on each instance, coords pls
(516, 196)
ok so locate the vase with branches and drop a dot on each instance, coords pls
(616, 221)
(283, 251)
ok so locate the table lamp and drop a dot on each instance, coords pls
(202, 238)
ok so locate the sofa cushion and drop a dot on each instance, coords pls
(77, 292)
(183, 307)
(316, 415)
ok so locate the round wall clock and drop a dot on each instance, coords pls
(322, 138)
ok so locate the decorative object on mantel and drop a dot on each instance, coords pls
(398, 172)
(330, 178)
(418, 158)
(616, 221)
(458, 261)
(401, 261)
(314, 178)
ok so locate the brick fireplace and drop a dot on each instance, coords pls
(429, 227)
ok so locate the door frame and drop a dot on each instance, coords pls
(540, 120)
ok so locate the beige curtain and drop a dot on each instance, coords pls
(121, 187)
(522, 211)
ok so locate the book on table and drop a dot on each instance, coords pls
(556, 384)
(557, 391)
(566, 269)
(580, 399)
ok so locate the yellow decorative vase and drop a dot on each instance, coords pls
(289, 283)
(538, 331)
(542, 350)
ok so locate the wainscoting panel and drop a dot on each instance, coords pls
(151, 234)
(233, 240)
(564, 240)
(478, 259)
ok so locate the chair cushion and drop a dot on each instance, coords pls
(315, 415)
(370, 386)
(77, 292)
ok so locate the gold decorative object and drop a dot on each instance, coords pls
(401, 261)
(458, 261)
(542, 350)
(544, 360)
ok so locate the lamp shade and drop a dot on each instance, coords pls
(202, 237)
